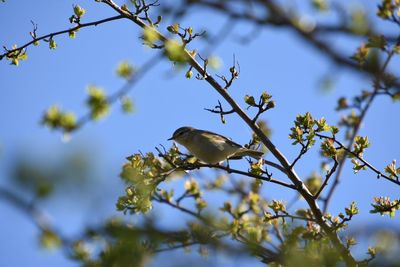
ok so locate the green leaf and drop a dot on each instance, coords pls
(250, 100)
(271, 104)
(174, 28)
(68, 121)
(150, 35)
(192, 187)
(50, 240)
(360, 144)
(256, 168)
(352, 210)
(377, 42)
(56, 119)
(357, 166)
(396, 49)
(127, 104)
(334, 130)
(52, 117)
(189, 74)
(320, 5)
(297, 135)
(392, 171)
(396, 97)
(175, 51)
(359, 21)
(79, 11)
(361, 54)
(265, 97)
(372, 251)
(342, 103)
(97, 102)
(384, 206)
(385, 10)
(15, 62)
(313, 183)
(72, 34)
(52, 44)
(277, 206)
(201, 204)
(214, 62)
(328, 148)
(125, 70)
(322, 125)
(80, 251)
(227, 207)
(124, 7)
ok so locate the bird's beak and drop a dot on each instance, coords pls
(169, 139)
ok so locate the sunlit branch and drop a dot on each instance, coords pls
(365, 163)
(198, 165)
(50, 35)
(244, 173)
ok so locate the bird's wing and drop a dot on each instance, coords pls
(222, 138)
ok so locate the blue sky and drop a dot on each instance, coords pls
(275, 61)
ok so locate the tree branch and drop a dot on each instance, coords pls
(327, 177)
(38, 217)
(124, 90)
(199, 165)
(278, 18)
(366, 163)
(356, 130)
(50, 35)
(292, 175)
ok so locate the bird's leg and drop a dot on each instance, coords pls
(227, 165)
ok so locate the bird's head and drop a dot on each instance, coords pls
(182, 134)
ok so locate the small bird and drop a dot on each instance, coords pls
(210, 147)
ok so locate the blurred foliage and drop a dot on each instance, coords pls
(44, 176)
(97, 102)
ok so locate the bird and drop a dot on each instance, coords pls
(209, 147)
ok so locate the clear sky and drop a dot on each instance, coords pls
(276, 61)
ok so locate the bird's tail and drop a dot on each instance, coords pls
(249, 152)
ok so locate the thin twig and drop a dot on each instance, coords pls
(293, 217)
(355, 132)
(50, 35)
(245, 173)
(327, 177)
(160, 199)
(366, 163)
